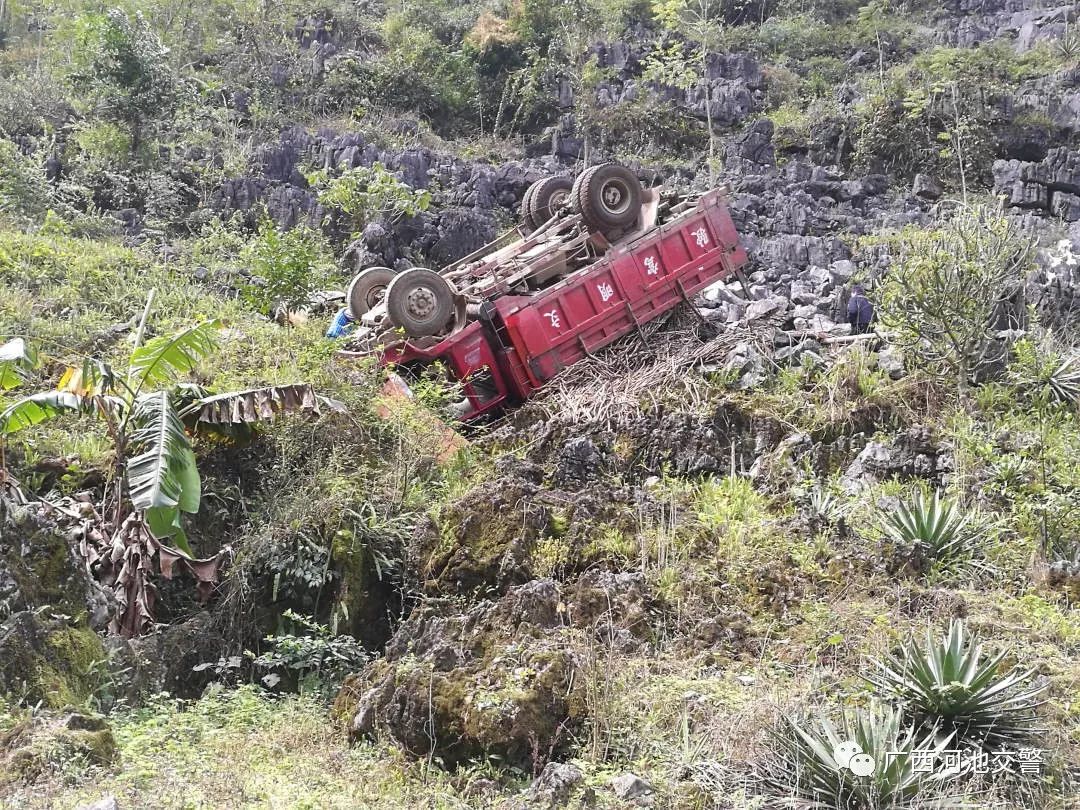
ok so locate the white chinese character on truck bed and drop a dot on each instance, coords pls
(651, 267)
(553, 316)
(701, 236)
(605, 291)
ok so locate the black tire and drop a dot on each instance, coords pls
(367, 289)
(547, 196)
(420, 301)
(608, 196)
(526, 207)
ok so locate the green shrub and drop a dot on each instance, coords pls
(949, 687)
(121, 66)
(939, 113)
(369, 192)
(419, 73)
(288, 266)
(945, 286)
(25, 195)
(319, 658)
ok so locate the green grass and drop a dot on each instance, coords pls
(243, 749)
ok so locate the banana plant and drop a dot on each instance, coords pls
(161, 479)
(17, 360)
(142, 510)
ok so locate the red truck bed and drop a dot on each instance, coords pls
(522, 341)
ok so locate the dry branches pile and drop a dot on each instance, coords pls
(634, 375)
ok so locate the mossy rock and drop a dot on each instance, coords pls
(39, 566)
(57, 742)
(53, 664)
(485, 539)
(369, 596)
(499, 681)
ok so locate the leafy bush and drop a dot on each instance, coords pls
(807, 770)
(286, 267)
(939, 113)
(24, 192)
(320, 659)
(950, 687)
(32, 101)
(419, 73)
(935, 532)
(122, 66)
(366, 193)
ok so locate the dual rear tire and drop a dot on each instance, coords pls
(608, 197)
(543, 199)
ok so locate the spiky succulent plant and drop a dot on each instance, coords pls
(950, 685)
(1045, 374)
(936, 532)
(1063, 383)
(812, 771)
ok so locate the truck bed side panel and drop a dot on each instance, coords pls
(622, 291)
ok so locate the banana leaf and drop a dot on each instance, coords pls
(160, 361)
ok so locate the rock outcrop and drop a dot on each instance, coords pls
(495, 680)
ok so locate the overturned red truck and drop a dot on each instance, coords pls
(593, 260)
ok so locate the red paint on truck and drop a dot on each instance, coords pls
(522, 341)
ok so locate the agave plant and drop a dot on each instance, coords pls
(1063, 383)
(824, 504)
(142, 517)
(812, 772)
(934, 530)
(1045, 374)
(950, 685)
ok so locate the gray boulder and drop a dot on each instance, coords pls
(630, 786)
(555, 784)
(927, 187)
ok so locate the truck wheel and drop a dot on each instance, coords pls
(420, 301)
(608, 196)
(368, 289)
(547, 196)
(526, 207)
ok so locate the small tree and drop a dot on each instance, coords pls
(684, 64)
(946, 285)
(123, 67)
(289, 266)
(369, 192)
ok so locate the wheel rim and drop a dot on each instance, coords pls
(557, 199)
(375, 296)
(615, 194)
(421, 303)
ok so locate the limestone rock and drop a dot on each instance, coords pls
(579, 462)
(927, 187)
(630, 786)
(555, 784)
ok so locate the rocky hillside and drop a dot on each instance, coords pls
(751, 561)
